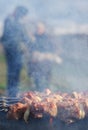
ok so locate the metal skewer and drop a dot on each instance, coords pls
(5, 102)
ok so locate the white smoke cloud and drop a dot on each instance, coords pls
(76, 10)
(1, 28)
(71, 28)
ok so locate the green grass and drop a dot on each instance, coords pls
(58, 83)
(24, 79)
(2, 72)
(2, 58)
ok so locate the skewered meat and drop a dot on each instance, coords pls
(16, 111)
(66, 107)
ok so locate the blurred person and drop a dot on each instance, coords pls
(13, 36)
(42, 57)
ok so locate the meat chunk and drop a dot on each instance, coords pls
(66, 107)
(17, 111)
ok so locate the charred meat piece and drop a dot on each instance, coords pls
(17, 111)
(70, 111)
(66, 107)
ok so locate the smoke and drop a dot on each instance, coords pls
(66, 22)
(55, 10)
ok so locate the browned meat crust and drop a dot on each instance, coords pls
(66, 107)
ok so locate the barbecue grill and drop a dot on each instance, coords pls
(40, 124)
(44, 123)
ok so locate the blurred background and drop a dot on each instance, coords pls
(67, 23)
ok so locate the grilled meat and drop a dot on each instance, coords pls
(66, 107)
